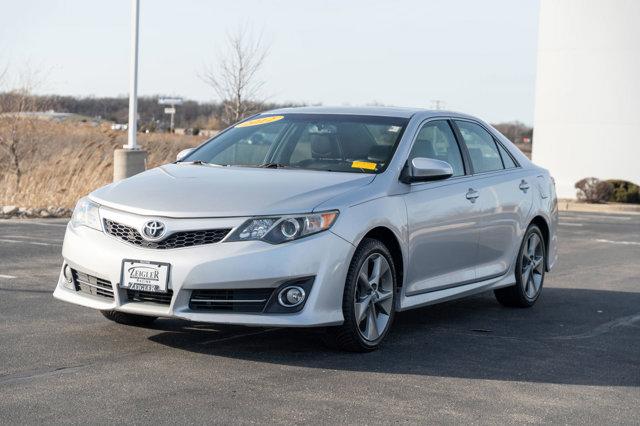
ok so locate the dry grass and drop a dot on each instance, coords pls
(62, 162)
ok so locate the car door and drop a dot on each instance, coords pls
(443, 222)
(504, 198)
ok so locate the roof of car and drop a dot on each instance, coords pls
(368, 110)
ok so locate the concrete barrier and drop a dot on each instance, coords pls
(127, 162)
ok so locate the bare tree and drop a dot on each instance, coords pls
(17, 125)
(235, 76)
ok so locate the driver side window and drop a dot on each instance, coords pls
(435, 140)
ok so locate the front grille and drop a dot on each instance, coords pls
(176, 240)
(92, 285)
(249, 300)
(149, 296)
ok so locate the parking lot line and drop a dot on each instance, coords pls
(626, 321)
(30, 242)
(25, 237)
(596, 216)
(8, 277)
(625, 243)
(32, 222)
(570, 224)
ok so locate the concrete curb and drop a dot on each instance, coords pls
(11, 212)
(614, 208)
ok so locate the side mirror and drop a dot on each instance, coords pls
(426, 169)
(184, 153)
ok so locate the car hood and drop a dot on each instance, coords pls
(190, 190)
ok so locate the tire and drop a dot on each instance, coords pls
(367, 296)
(530, 272)
(128, 319)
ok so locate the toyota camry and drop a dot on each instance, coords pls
(317, 217)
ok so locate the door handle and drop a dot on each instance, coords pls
(472, 194)
(524, 185)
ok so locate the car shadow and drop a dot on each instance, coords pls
(571, 336)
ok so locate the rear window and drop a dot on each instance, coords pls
(481, 146)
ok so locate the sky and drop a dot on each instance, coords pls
(479, 57)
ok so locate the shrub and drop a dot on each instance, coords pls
(594, 190)
(624, 191)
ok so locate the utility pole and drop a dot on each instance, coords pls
(437, 104)
(131, 159)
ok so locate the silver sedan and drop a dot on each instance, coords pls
(318, 217)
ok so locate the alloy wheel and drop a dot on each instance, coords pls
(374, 297)
(532, 265)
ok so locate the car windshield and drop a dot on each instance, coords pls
(338, 143)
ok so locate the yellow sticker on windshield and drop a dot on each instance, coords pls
(263, 120)
(364, 165)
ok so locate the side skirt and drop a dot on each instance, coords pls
(457, 292)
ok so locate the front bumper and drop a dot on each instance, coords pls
(233, 265)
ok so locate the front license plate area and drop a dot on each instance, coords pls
(143, 275)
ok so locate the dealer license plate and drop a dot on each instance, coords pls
(144, 275)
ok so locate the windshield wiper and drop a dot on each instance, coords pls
(201, 163)
(273, 166)
(264, 166)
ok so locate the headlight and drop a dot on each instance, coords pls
(276, 230)
(86, 214)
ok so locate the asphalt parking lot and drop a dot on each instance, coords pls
(573, 358)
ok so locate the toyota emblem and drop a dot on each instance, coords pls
(153, 230)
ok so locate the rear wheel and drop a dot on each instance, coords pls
(530, 270)
(128, 319)
(368, 300)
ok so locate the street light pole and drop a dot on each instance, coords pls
(131, 160)
(132, 142)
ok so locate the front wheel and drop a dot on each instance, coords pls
(530, 269)
(128, 319)
(368, 300)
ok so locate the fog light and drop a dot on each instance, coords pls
(67, 274)
(68, 277)
(290, 297)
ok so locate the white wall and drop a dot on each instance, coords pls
(587, 114)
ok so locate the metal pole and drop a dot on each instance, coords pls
(131, 159)
(132, 143)
(173, 107)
